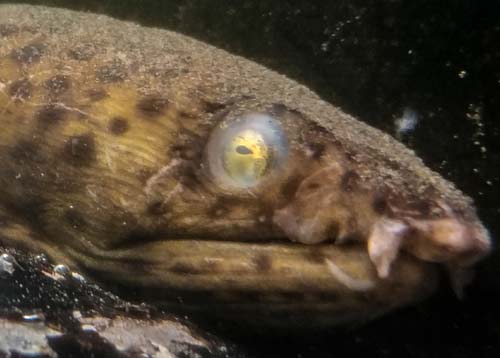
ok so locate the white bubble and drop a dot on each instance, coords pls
(407, 122)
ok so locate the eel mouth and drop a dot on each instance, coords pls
(272, 269)
(323, 285)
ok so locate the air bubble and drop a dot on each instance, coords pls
(61, 271)
(7, 264)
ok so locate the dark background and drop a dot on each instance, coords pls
(374, 58)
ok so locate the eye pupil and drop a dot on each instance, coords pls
(241, 149)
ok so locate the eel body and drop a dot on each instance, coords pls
(146, 158)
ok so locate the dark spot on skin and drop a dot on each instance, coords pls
(349, 181)
(82, 53)
(118, 126)
(313, 186)
(152, 106)
(49, 115)
(278, 109)
(188, 176)
(263, 263)
(315, 127)
(111, 73)
(57, 84)
(315, 256)
(380, 204)
(21, 89)
(317, 149)
(189, 145)
(185, 151)
(25, 151)
(157, 208)
(289, 189)
(30, 207)
(185, 269)
(8, 29)
(97, 94)
(74, 219)
(212, 107)
(79, 150)
(29, 54)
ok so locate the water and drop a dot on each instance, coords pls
(375, 59)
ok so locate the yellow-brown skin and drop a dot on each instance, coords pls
(104, 127)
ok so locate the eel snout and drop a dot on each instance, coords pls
(321, 212)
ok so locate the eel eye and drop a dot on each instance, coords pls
(240, 154)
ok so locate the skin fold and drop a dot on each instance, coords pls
(146, 158)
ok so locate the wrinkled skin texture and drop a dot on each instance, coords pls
(104, 166)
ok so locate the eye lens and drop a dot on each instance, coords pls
(246, 157)
(245, 151)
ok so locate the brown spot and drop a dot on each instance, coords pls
(349, 181)
(111, 73)
(188, 176)
(74, 219)
(97, 94)
(380, 204)
(82, 53)
(313, 186)
(157, 208)
(25, 151)
(29, 54)
(185, 269)
(263, 263)
(212, 106)
(188, 145)
(80, 150)
(278, 109)
(8, 29)
(50, 114)
(289, 189)
(57, 84)
(21, 89)
(186, 151)
(317, 150)
(118, 125)
(31, 206)
(152, 106)
(315, 256)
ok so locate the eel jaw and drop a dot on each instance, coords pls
(322, 212)
(450, 241)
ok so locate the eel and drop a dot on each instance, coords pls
(208, 183)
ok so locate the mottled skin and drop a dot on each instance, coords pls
(102, 147)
